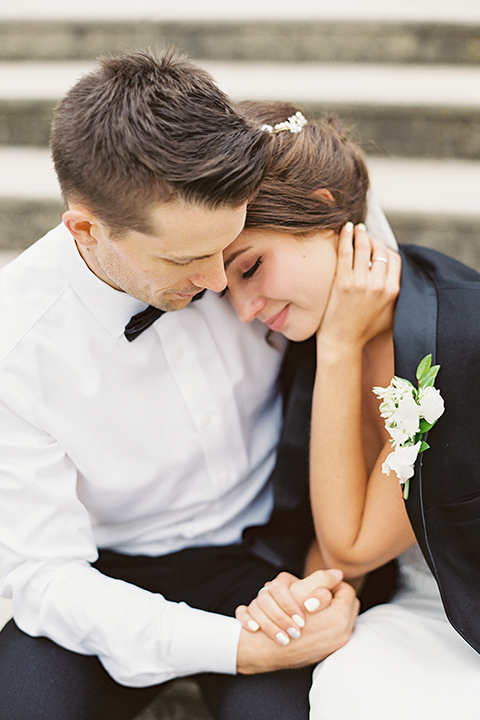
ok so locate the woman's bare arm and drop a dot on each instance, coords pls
(360, 518)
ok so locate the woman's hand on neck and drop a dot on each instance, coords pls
(364, 292)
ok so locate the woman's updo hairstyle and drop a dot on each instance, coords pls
(302, 164)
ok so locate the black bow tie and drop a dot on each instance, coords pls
(142, 320)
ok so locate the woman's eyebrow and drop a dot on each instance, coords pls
(235, 255)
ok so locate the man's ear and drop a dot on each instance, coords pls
(324, 194)
(82, 224)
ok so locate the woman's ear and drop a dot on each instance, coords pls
(82, 224)
(324, 194)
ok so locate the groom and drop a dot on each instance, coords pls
(140, 497)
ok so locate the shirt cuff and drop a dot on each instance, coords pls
(204, 642)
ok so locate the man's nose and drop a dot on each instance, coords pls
(247, 307)
(212, 276)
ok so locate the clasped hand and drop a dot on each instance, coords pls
(302, 621)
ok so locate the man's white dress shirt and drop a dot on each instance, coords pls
(144, 448)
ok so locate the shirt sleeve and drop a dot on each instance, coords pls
(47, 545)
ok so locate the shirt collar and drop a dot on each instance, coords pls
(112, 308)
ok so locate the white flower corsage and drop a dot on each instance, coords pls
(409, 413)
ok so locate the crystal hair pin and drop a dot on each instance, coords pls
(293, 124)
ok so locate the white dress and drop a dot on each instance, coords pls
(404, 661)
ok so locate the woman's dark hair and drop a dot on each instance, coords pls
(302, 167)
(144, 128)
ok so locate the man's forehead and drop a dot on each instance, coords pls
(187, 231)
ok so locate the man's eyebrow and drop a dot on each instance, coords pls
(235, 255)
(190, 258)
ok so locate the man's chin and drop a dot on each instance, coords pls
(170, 304)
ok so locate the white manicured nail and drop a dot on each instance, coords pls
(282, 638)
(254, 626)
(299, 620)
(294, 633)
(349, 226)
(312, 604)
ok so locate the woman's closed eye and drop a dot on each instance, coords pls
(251, 272)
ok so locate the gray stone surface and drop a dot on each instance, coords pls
(456, 236)
(381, 130)
(25, 122)
(287, 40)
(25, 220)
(404, 111)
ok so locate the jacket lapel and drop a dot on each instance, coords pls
(412, 342)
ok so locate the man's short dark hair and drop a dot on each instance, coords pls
(149, 127)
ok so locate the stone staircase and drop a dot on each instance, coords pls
(404, 75)
(405, 79)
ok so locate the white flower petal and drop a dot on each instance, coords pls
(402, 461)
(431, 404)
(386, 469)
(407, 415)
(398, 435)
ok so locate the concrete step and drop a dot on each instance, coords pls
(412, 110)
(347, 30)
(434, 203)
(29, 196)
(431, 202)
(295, 39)
(462, 11)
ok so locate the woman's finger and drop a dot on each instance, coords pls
(276, 631)
(345, 250)
(289, 623)
(242, 614)
(315, 590)
(279, 590)
(362, 253)
(379, 262)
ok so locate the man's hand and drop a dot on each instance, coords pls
(280, 606)
(326, 629)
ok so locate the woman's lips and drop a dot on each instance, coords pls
(277, 321)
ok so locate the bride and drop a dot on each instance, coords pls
(306, 266)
